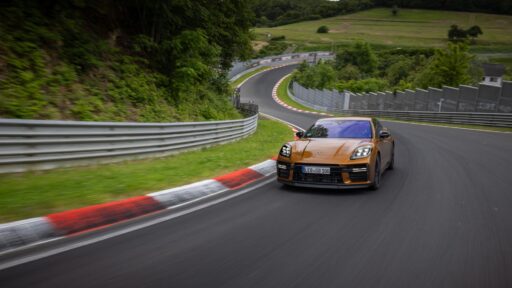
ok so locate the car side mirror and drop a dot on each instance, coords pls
(384, 134)
(300, 134)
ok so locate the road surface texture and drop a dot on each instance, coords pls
(442, 218)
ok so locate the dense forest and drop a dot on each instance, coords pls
(281, 12)
(161, 60)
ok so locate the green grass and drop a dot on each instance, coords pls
(282, 94)
(31, 194)
(248, 75)
(410, 28)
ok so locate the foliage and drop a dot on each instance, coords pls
(496, 6)
(281, 12)
(394, 10)
(363, 85)
(397, 69)
(273, 48)
(161, 60)
(457, 34)
(320, 76)
(360, 55)
(349, 72)
(450, 66)
(322, 29)
(278, 38)
(474, 31)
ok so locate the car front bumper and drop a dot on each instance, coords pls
(341, 176)
(324, 186)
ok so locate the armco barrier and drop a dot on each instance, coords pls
(483, 119)
(43, 144)
(241, 67)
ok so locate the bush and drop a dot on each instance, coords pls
(360, 55)
(322, 29)
(456, 34)
(278, 38)
(349, 72)
(364, 85)
(320, 76)
(399, 70)
(394, 10)
(273, 48)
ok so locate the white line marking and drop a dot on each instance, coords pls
(281, 120)
(71, 246)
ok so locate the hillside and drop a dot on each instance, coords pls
(155, 61)
(409, 28)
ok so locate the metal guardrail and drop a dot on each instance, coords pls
(285, 59)
(483, 119)
(46, 144)
(472, 118)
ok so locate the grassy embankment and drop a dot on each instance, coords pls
(410, 28)
(31, 194)
(282, 94)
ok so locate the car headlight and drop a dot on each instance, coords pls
(286, 150)
(362, 152)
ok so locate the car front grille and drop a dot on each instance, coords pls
(358, 176)
(333, 178)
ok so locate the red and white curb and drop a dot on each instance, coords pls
(278, 101)
(29, 231)
(25, 232)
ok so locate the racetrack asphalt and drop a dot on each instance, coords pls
(442, 218)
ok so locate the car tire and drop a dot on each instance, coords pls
(378, 175)
(392, 162)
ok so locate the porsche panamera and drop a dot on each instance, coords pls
(343, 152)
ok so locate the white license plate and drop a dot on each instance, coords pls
(316, 170)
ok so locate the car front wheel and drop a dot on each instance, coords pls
(377, 175)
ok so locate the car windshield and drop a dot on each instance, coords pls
(340, 129)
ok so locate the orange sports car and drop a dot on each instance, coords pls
(347, 152)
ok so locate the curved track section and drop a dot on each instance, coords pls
(441, 219)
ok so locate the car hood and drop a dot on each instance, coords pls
(325, 150)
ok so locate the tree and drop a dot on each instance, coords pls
(349, 72)
(322, 29)
(320, 76)
(364, 85)
(456, 34)
(394, 10)
(473, 32)
(399, 70)
(360, 55)
(451, 65)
